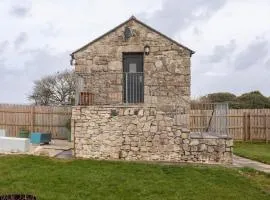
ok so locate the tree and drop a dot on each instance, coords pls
(219, 97)
(253, 99)
(58, 89)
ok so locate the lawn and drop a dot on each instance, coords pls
(259, 151)
(87, 179)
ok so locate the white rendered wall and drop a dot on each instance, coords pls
(2, 133)
(11, 144)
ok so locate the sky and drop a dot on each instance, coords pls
(231, 39)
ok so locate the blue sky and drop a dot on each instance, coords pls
(231, 39)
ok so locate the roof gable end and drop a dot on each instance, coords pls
(140, 22)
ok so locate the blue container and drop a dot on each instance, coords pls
(40, 138)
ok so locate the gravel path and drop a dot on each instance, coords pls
(244, 162)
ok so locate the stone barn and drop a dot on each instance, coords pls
(133, 99)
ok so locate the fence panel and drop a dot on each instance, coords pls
(52, 119)
(243, 124)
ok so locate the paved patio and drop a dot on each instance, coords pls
(55, 148)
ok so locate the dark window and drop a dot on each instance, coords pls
(133, 81)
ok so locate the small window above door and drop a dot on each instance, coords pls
(132, 67)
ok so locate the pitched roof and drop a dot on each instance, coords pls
(140, 22)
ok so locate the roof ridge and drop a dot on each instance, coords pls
(132, 17)
(140, 22)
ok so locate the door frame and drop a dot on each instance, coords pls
(124, 55)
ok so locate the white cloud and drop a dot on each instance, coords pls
(44, 32)
(220, 31)
(215, 73)
(244, 22)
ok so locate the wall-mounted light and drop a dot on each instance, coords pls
(72, 60)
(146, 50)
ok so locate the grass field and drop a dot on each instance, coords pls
(87, 179)
(259, 151)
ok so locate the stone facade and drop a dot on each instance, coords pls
(155, 130)
(166, 68)
(142, 133)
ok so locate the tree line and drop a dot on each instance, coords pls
(250, 100)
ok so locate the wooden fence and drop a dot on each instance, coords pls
(52, 119)
(242, 124)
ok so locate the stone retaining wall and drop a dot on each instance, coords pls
(142, 133)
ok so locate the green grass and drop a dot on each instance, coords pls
(261, 178)
(87, 179)
(259, 151)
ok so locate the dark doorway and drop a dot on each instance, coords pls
(133, 81)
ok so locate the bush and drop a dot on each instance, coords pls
(251, 100)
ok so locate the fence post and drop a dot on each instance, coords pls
(244, 126)
(250, 128)
(32, 118)
(266, 127)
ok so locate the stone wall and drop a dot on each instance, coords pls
(156, 130)
(142, 133)
(166, 68)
